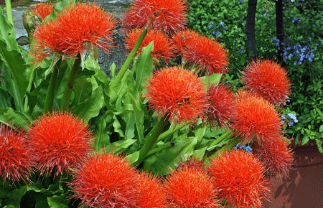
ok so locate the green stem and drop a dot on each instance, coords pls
(9, 11)
(126, 65)
(69, 87)
(150, 140)
(51, 88)
(224, 136)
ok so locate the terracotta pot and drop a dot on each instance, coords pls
(303, 187)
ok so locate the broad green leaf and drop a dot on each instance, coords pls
(4, 99)
(102, 135)
(58, 201)
(210, 80)
(11, 195)
(11, 117)
(319, 145)
(143, 66)
(305, 140)
(16, 73)
(122, 145)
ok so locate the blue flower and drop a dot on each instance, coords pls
(235, 148)
(211, 25)
(240, 51)
(221, 23)
(283, 116)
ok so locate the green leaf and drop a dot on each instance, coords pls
(305, 140)
(4, 99)
(319, 145)
(122, 145)
(143, 66)
(10, 117)
(100, 131)
(321, 128)
(213, 79)
(58, 201)
(16, 73)
(11, 195)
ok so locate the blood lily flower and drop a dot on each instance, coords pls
(190, 188)
(239, 178)
(177, 94)
(184, 38)
(267, 79)
(168, 16)
(76, 29)
(208, 54)
(106, 180)
(16, 157)
(255, 117)
(59, 141)
(162, 47)
(275, 155)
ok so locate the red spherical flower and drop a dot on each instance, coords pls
(16, 157)
(239, 178)
(190, 188)
(178, 94)
(76, 29)
(275, 155)
(255, 118)
(222, 108)
(43, 9)
(208, 54)
(184, 38)
(60, 141)
(106, 180)
(168, 16)
(150, 194)
(162, 47)
(267, 79)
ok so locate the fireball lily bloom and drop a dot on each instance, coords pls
(267, 79)
(168, 16)
(106, 180)
(42, 10)
(59, 141)
(239, 178)
(177, 94)
(16, 157)
(255, 118)
(190, 188)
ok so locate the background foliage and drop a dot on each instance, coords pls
(302, 52)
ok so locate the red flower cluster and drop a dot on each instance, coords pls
(59, 142)
(239, 178)
(77, 28)
(162, 47)
(190, 188)
(43, 9)
(267, 79)
(184, 38)
(16, 158)
(168, 16)
(275, 155)
(222, 106)
(255, 117)
(178, 94)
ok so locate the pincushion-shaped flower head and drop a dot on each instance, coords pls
(275, 154)
(151, 194)
(190, 188)
(207, 53)
(255, 118)
(177, 94)
(76, 29)
(162, 47)
(267, 79)
(60, 141)
(184, 38)
(239, 178)
(105, 180)
(168, 16)
(16, 158)
(222, 107)
(42, 10)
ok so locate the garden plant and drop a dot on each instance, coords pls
(187, 121)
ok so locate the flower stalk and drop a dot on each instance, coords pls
(151, 139)
(9, 11)
(51, 88)
(69, 87)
